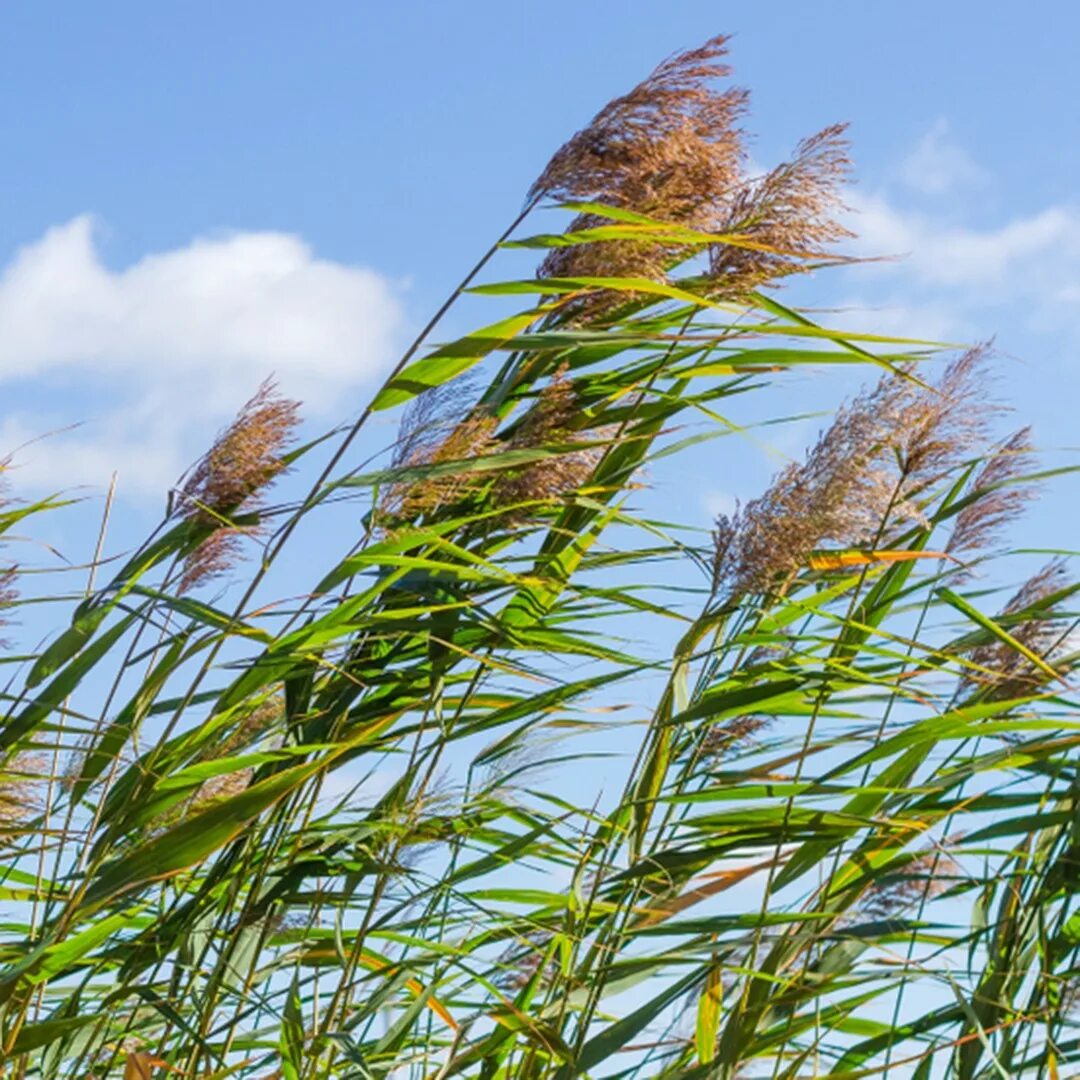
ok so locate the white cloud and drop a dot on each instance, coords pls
(179, 339)
(1023, 253)
(940, 279)
(937, 165)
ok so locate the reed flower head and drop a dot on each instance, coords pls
(9, 592)
(788, 216)
(1001, 672)
(670, 149)
(731, 737)
(666, 148)
(552, 421)
(441, 429)
(230, 480)
(997, 496)
(443, 432)
(253, 727)
(868, 471)
(522, 961)
(21, 781)
(924, 877)
(220, 788)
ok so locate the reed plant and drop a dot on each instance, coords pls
(362, 833)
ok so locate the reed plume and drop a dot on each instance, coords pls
(442, 428)
(669, 149)
(229, 482)
(997, 497)
(873, 465)
(21, 783)
(1000, 671)
(551, 422)
(923, 877)
(788, 215)
(731, 737)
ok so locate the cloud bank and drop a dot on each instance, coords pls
(178, 341)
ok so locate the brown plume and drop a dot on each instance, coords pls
(997, 496)
(1031, 619)
(869, 470)
(230, 480)
(671, 149)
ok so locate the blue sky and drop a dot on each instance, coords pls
(198, 194)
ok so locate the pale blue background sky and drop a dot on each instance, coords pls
(293, 187)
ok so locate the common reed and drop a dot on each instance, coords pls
(552, 422)
(22, 783)
(919, 879)
(998, 496)
(671, 150)
(445, 430)
(229, 481)
(1000, 671)
(442, 428)
(866, 471)
(790, 215)
(663, 797)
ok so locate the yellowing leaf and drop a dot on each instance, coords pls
(415, 988)
(708, 1016)
(139, 1065)
(840, 560)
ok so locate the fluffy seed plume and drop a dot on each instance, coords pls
(1030, 617)
(669, 149)
(229, 481)
(551, 421)
(21, 781)
(668, 146)
(788, 215)
(521, 961)
(728, 739)
(443, 432)
(923, 877)
(442, 428)
(672, 149)
(9, 593)
(873, 467)
(997, 497)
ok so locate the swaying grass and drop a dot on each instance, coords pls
(363, 834)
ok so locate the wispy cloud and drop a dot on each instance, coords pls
(938, 165)
(940, 275)
(177, 340)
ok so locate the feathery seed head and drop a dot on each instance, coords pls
(230, 479)
(21, 781)
(441, 427)
(997, 497)
(666, 146)
(552, 420)
(669, 149)
(925, 876)
(790, 212)
(1006, 673)
(868, 470)
(729, 738)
